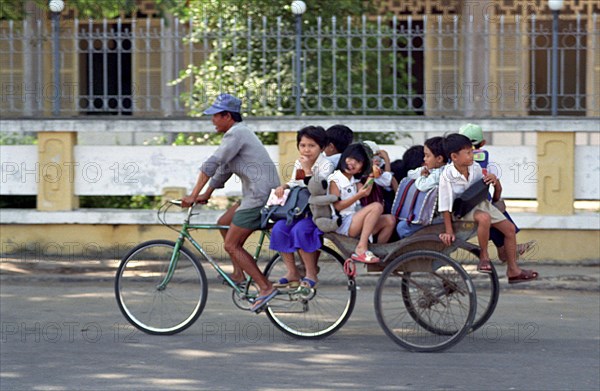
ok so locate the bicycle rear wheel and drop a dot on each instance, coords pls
(318, 312)
(424, 301)
(148, 303)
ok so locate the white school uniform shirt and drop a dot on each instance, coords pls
(347, 190)
(425, 183)
(321, 169)
(453, 184)
(334, 159)
(384, 180)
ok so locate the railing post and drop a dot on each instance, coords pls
(56, 184)
(556, 172)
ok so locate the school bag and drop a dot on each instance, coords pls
(470, 198)
(295, 207)
(412, 205)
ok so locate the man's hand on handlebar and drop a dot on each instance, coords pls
(188, 201)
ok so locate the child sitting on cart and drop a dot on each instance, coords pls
(354, 163)
(456, 177)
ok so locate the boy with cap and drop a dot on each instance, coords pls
(240, 153)
(475, 134)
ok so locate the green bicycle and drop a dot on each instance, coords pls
(161, 286)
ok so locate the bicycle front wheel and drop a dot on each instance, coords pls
(317, 312)
(424, 301)
(154, 300)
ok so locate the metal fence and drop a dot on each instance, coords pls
(429, 66)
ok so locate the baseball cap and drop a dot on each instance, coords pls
(473, 132)
(373, 146)
(225, 102)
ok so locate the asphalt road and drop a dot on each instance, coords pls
(61, 334)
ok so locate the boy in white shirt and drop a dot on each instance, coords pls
(456, 177)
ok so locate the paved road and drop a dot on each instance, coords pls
(67, 334)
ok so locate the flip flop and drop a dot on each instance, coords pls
(526, 275)
(524, 248)
(308, 283)
(485, 267)
(261, 301)
(366, 257)
(285, 283)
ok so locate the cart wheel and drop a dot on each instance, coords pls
(424, 301)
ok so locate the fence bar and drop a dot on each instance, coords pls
(366, 60)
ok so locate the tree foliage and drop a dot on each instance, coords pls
(251, 52)
(20, 9)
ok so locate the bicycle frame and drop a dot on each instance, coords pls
(185, 235)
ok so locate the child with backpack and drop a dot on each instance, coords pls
(302, 235)
(426, 177)
(456, 177)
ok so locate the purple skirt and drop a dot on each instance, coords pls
(302, 234)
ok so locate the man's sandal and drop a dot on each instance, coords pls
(261, 301)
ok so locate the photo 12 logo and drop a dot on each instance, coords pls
(70, 332)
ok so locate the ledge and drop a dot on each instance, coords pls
(579, 221)
(287, 123)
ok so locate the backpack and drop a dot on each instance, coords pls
(470, 198)
(412, 205)
(295, 207)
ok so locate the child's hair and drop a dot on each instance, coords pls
(340, 136)
(454, 143)
(358, 152)
(411, 159)
(315, 133)
(436, 146)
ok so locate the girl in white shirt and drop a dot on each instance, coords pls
(356, 221)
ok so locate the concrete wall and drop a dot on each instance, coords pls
(553, 167)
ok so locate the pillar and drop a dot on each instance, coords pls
(56, 187)
(288, 153)
(556, 172)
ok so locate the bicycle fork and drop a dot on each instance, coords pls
(172, 265)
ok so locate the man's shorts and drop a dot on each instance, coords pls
(247, 218)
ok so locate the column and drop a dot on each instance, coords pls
(56, 188)
(556, 168)
(288, 153)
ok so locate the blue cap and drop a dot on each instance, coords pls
(225, 102)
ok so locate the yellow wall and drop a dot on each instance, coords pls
(100, 240)
(112, 241)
